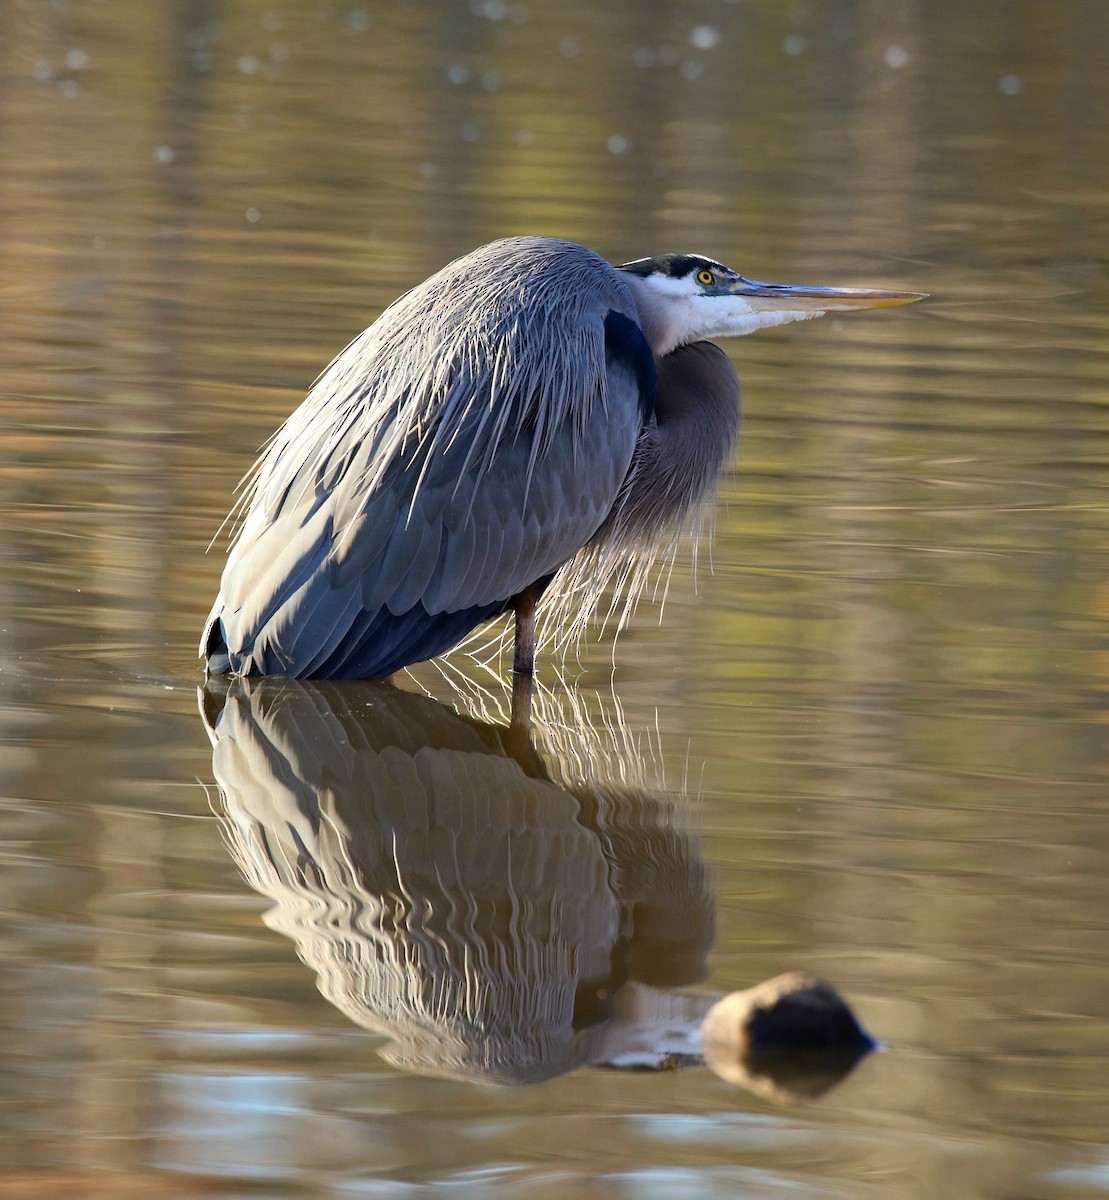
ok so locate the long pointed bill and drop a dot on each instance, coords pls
(788, 297)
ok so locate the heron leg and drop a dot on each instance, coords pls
(523, 655)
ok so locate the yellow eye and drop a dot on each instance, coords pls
(705, 277)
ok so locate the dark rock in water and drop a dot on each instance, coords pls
(790, 1038)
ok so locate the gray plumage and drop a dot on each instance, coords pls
(529, 412)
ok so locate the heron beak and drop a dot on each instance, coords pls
(788, 297)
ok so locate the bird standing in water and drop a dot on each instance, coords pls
(529, 420)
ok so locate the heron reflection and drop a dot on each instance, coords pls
(498, 914)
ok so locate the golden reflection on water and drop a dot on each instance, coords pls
(887, 696)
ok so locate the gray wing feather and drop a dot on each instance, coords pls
(270, 567)
(455, 487)
(512, 561)
(421, 537)
(505, 518)
(322, 625)
(493, 549)
(364, 536)
(460, 551)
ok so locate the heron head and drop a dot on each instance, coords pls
(686, 298)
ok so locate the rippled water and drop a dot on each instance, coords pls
(868, 740)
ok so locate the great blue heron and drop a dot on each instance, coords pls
(529, 413)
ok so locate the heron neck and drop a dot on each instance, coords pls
(683, 452)
(656, 319)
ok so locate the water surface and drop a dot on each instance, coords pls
(866, 739)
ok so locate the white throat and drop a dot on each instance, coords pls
(675, 312)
